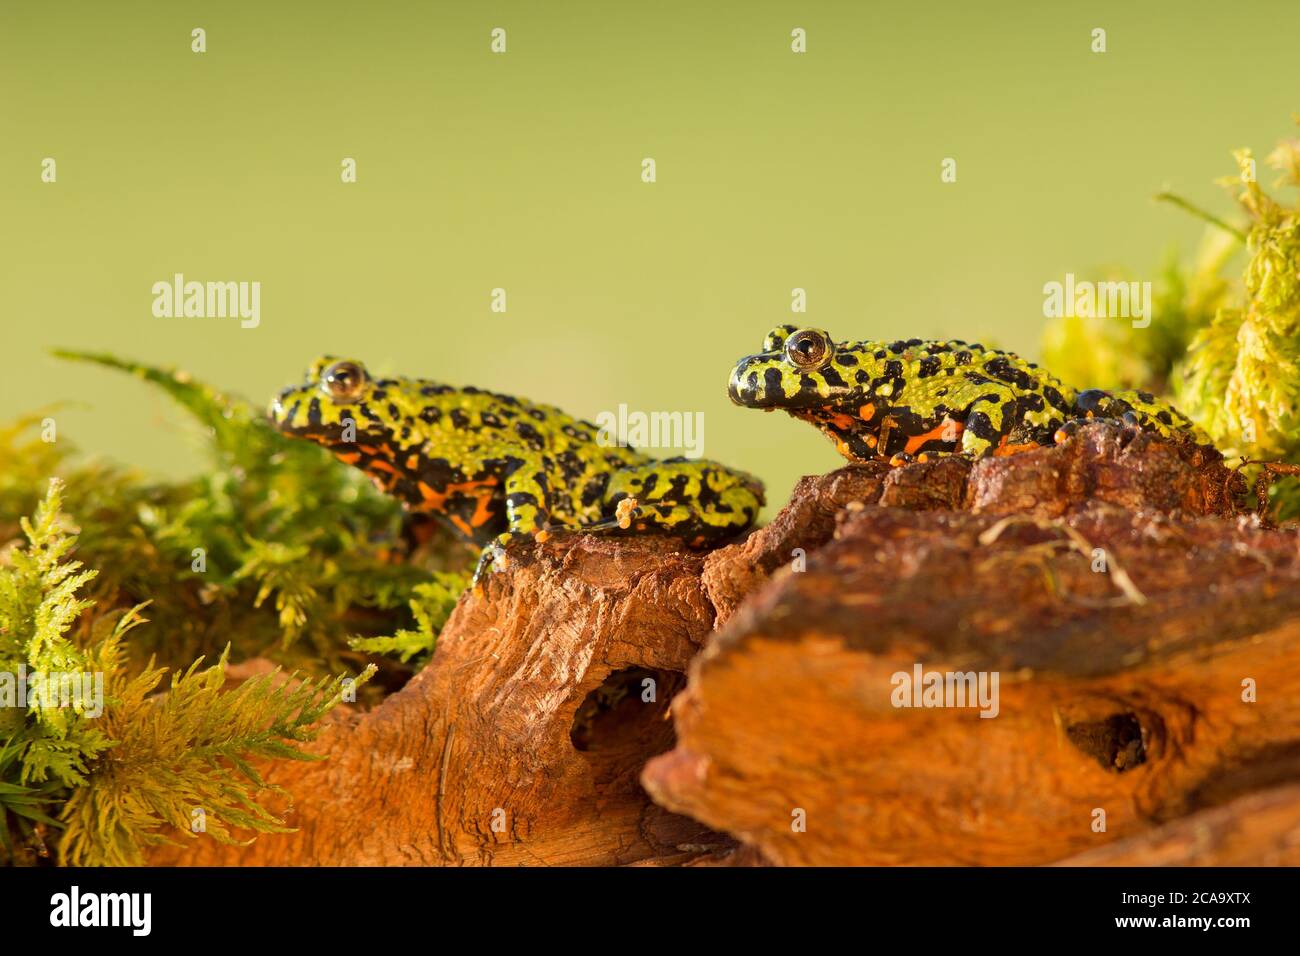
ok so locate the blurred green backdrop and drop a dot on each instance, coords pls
(522, 171)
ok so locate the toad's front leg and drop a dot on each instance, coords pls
(527, 498)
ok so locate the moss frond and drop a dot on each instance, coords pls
(1241, 378)
(181, 764)
(431, 605)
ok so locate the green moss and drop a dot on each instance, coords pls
(276, 548)
(276, 551)
(118, 768)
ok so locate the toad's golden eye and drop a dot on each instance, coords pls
(808, 348)
(344, 381)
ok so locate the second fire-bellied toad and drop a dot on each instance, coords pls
(913, 398)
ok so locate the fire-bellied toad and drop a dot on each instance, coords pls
(911, 398)
(500, 468)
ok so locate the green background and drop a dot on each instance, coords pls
(522, 170)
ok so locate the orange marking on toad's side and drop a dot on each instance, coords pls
(1005, 451)
(435, 500)
(947, 430)
(483, 510)
(839, 419)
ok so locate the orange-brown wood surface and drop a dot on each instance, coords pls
(1110, 583)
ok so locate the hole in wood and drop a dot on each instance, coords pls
(1117, 742)
(628, 713)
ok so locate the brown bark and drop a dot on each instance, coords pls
(1120, 690)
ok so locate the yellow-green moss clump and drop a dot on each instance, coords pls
(1225, 348)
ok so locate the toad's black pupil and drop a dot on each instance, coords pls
(808, 347)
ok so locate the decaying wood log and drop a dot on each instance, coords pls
(1127, 630)
(1108, 582)
(520, 744)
